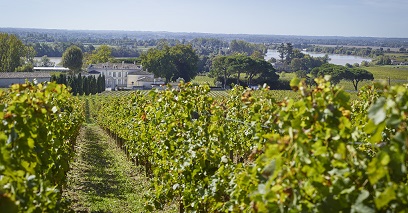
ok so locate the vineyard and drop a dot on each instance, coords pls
(309, 150)
(250, 152)
(277, 94)
(145, 92)
(38, 132)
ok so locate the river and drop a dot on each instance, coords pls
(334, 58)
(55, 60)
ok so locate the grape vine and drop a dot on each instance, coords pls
(249, 152)
(40, 123)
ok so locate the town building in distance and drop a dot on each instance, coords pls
(123, 75)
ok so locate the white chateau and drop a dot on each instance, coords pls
(121, 75)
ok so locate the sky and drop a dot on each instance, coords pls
(372, 18)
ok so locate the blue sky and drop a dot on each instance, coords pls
(377, 18)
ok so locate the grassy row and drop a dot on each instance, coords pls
(102, 179)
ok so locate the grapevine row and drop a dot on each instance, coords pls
(40, 123)
(248, 152)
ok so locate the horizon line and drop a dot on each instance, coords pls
(174, 32)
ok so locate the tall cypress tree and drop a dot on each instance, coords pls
(53, 78)
(72, 84)
(80, 84)
(94, 85)
(100, 83)
(62, 79)
(86, 86)
(103, 83)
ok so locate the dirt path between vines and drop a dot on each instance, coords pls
(101, 179)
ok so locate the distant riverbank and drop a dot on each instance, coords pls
(55, 60)
(334, 58)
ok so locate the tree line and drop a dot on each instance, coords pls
(118, 38)
(81, 85)
(182, 61)
(58, 48)
(343, 50)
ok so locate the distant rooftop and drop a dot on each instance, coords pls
(122, 66)
(24, 75)
(140, 72)
(94, 72)
(50, 69)
(146, 79)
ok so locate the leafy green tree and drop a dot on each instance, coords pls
(204, 64)
(312, 62)
(29, 55)
(228, 65)
(239, 63)
(262, 68)
(289, 53)
(159, 63)
(239, 46)
(337, 72)
(13, 53)
(286, 53)
(297, 64)
(220, 67)
(171, 63)
(101, 55)
(185, 61)
(225, 66)
(257, 55)
(382, 60)
(282, 52)
(72, 59)
(298, 54)
(162, 43)
(357, 75)
(45, 61)
(25, 68)
(365, 64)
(301, 74)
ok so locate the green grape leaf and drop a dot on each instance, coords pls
(377, 111)
(385, 197)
